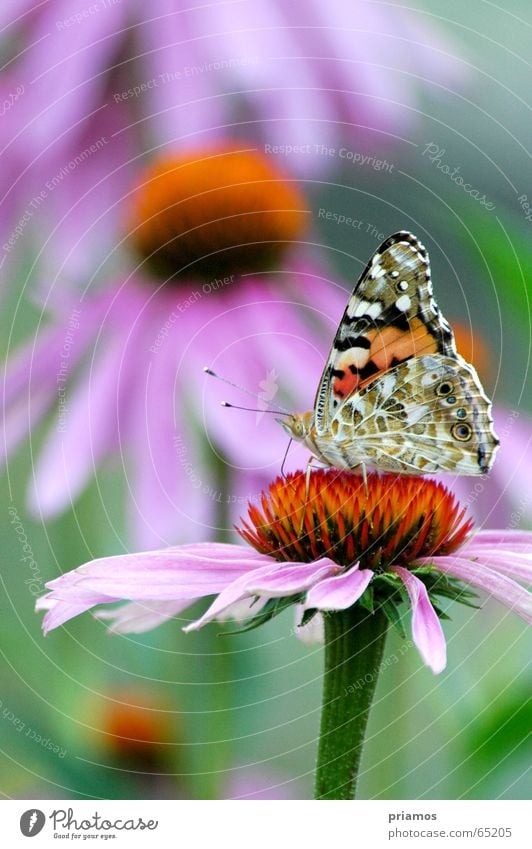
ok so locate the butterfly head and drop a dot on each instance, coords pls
(298, 425)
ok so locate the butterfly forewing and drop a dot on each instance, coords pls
(390, 317)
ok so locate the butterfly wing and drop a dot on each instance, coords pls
(390, 317)
(428, 414)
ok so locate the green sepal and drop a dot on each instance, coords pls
(308, 616)
(393, 615)
(272, 608)
(366, 600)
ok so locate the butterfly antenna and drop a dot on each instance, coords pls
(251, 409)
(209, 371)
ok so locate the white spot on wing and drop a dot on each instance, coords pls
(361, 309)
(357, 357)
(374, 310)
(403, 303)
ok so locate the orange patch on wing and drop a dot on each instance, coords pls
(395, 344)
(346, 385)
(389, 345)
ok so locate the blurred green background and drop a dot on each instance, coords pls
(229, 714)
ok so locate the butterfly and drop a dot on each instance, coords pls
(395, 395)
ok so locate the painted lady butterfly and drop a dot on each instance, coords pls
(395, 395)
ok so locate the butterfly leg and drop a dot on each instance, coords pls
(283, 474)
(310, 465)
(364, 477)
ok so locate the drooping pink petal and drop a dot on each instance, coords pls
(137, 617)
(505, 590)
(58, 612)
(38, 358)
(427, 632)
(295, 578)
(181, 572)
(242, 610)
(288, 93)
(340, 591)
(228, 597)
(272, 581)
(175, 574)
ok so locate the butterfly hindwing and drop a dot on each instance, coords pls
(428, 414)
(390, 317)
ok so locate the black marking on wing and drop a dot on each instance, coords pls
(352, 342)
(364, 373)
(367, 371)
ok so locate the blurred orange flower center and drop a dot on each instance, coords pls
(394, 521)
(473, 348)
(214, 212)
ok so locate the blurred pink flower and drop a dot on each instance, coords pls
(402, 536)
(122, 367)
(292, 73)
(117, 81)
(502, 498)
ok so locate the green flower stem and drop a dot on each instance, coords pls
(354, 642)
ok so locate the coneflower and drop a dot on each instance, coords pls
(331, 547)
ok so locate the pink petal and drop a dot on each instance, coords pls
(292, 579)
(275, 580)
(174, 574)
(62, 76)
(86, 215)
(190, 102)
(427, 632)
(512, 540)
(509, 562)
(242, 610)
(513, 470)
(188, 571)
(58, 612)
(172, 489)
(22, 416)
(81, 439)
(339, 592)
(137, 617)
(30, 378)
(234, 593)
(500, 587)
